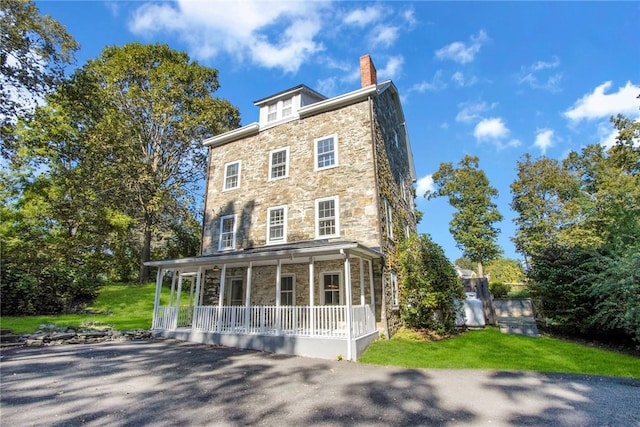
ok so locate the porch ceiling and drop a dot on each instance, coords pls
(288, 254)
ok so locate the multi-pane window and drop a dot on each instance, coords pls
(395, 301)
(287, 109)
(277, 224)
(279, 163)
(232, 175)
(287, 291)
(331, 289)
(227, 232)
(327, 220)
(326, 153)
(272, 112)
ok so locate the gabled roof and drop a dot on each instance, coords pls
(288, 93)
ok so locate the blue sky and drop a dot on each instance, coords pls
(490, 79)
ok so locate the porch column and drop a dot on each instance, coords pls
(312, 296)
(191, 291)
(223, 272)
(178, 299)
(247, 299)
(174, 276)
(198, 303)
(278, 289)
(362, 282)
(373, 295)
(201, 288)
(347, 284)
(156, 301)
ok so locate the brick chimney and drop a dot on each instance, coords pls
(368, 74)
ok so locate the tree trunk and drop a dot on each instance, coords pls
(480, 270)
(145, 254)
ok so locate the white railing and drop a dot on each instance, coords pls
(324, 320)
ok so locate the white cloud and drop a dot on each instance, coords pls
(470, 112)
(425, 184)
(240, 29)
(435, 84)
(384, 35)
(598, 104)
(392, 69)
(607, 134)
(537, 76)
(461, 52)
(491, 129)
(409, 17)
(363, 17)
(462, 81)
(544, 139)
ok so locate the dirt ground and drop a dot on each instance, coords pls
(168, 383)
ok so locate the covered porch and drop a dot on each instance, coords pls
(313, 299)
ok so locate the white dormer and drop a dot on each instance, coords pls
(284, 106)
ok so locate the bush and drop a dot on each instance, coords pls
(499, 289)
(429, 286)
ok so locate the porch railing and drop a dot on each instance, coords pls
(328, 321)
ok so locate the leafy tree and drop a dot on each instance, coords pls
(34, 51)
(137, 115)
(505, 270)
(429, 285)
(470, 193)
(465, 264)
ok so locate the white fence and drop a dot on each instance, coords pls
(325, 320)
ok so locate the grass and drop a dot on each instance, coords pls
(123, 306)
(490, 349)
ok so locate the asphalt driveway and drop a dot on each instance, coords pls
(168, 383)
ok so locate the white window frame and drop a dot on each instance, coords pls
(234, 232)
(229, 290)
(271, 165)
(293, 288)
(334, 137)
(284, 225)
(226, 170)
(287, 107)
(395, 290)
(340, 286)
(388, 216)
(336, 217)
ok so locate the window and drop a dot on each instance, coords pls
(287, 107)
(279, 164)
(287, 290)
(227, 232)
(388, 218)
(232, 175)
(394, 290)
(277, 224)
(326, 152)
(327, 218)
(272, 112)
(234, 293)
(331, 285)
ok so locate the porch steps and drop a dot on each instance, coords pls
(515, 316)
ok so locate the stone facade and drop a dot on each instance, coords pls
(373, 183)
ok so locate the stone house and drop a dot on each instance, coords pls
(304, 213)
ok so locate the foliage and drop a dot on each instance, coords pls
(466, 264)
(499, 289)
(429, 285)
(477, 350)
(470, 193)
(120, 141)
(34, 50)
(505, 270)
(579, 227)
(123, 306)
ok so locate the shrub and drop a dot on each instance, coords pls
(429, 285)
(499, 289)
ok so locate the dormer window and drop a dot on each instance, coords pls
(287, 107)
(272, 113)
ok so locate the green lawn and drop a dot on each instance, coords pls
(123, 306)
(490, 349)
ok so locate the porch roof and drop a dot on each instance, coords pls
(294, 252)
